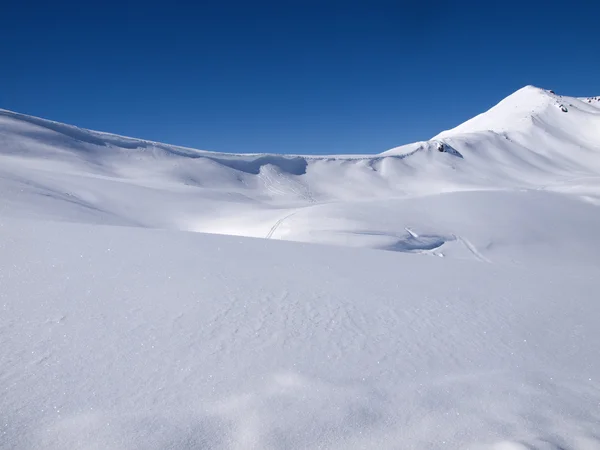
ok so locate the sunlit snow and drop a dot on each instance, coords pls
(442, 294)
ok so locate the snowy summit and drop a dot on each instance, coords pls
(452, 301)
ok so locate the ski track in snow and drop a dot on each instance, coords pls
(473, 249)
(277, 224)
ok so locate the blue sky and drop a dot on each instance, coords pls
(289, 76)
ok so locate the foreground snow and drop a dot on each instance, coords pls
(126, 338)
(121, 329)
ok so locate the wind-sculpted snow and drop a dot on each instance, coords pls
(128, 338)
(126, 323)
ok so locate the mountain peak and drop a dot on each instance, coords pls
(515, 112)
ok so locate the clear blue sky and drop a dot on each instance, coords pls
(289, 76)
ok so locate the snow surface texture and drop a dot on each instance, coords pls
(141, 336)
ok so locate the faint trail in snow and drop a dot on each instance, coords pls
(276, 225)
(473, 249)
(566, 182)
(273, 181)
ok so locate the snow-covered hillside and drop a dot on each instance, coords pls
(55, 171)
(120, 328)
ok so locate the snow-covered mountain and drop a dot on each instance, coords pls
(525, 149)
(119, 330)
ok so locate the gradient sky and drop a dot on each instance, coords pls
(289, 76)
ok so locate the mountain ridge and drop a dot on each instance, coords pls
(108, 138)
(525, 148)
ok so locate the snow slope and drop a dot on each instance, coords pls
(122, 329)
(60, 172)
(123, 338)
